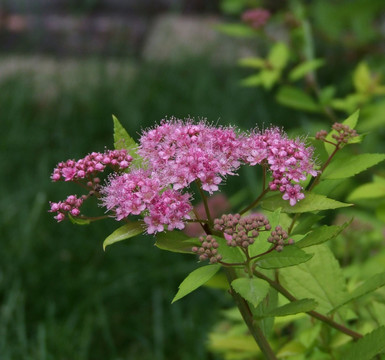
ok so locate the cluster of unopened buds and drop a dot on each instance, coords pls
(344, 134)
(279, 238)
(84, 170)
(72, 170)
(208, 249)
(70, 205)
(241, 231)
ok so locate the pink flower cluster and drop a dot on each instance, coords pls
(182, 152)
(176, 153)
(256, 18)
(72, 170)
(289, 161)
(137, 192)
(70, 205)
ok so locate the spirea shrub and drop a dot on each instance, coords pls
(152, 187)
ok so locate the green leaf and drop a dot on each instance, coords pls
(252, 290)
(121, 138)
(367, 191)
(124, 232)
(367, 347)
(295, 307)
(289, 256)
(306, 222)
(297, 99)
(362, 78)
(124, 141)
(322, 234)
(304, 68)
(78, 220)
(236, 30)
(269, 78)
(292, 348)
(326, 95)
(351, 121)
(253, 62)
(196, 279)
(261, 244)
(347, 167)
(229, 254)
(278, 56)
(311, 202)
(379, 311)
(176, 241)
(251, 81)
(269, 303)
(320, 279)
(370, 285)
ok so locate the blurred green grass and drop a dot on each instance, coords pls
(61, 296)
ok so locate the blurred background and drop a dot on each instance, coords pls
(65, 67)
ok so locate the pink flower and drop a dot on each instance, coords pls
(289, 161)
(130, 193)
(181, 152)
(138, 193)
(170, 208)
(256, 18)
(293, 193)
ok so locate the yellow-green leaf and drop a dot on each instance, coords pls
(304, 68)
(349, 166)
(196, 279)
(252, 290)
(126, 231)
(297, 99)
(311, 202)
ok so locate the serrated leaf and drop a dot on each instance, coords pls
(322, 234)
(304, 68)
(196, 279)
(320, 279)
(370, 285)
(253, 62)
(278, 56)
(236, 30)
(347, 167)
(126, 231)
(176, 241)
(252, 290)
(270, 302)
(367, 191)
(311, 202)
(78, 220)
(367, 347)
(295, 307)
(289, 256)
(124, 141)
(297, 99)
(351, 121)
